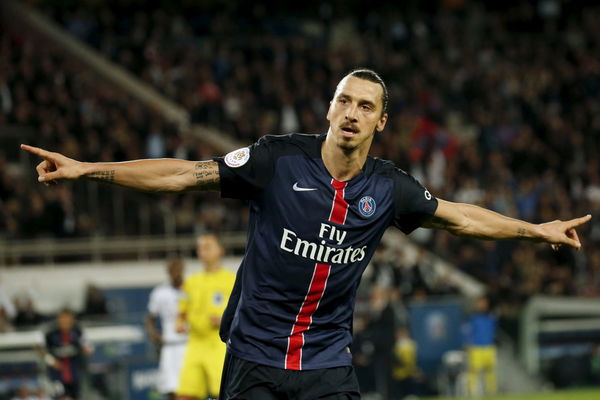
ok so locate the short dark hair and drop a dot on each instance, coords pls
(174, 262)
(216, 235)
(66, 310)
(372, 76)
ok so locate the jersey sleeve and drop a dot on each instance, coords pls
(245, 172)
(413, 203)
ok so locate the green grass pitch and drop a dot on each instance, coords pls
(584, 394)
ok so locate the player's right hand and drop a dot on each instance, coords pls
(55, 166)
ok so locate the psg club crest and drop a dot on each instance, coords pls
(367, 206)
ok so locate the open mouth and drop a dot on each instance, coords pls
(349, 129)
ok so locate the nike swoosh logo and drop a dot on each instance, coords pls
(301, 189)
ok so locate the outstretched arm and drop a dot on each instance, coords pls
(160, 175)
(471, 221)
(153, 333)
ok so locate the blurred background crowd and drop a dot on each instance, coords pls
(492, 105)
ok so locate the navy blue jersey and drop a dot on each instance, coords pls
(310, 238)
(67, 348)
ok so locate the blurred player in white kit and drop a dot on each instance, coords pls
(163, 304)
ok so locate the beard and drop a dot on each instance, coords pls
(348, 146)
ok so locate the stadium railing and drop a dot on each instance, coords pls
(565, 320)
(96, 249)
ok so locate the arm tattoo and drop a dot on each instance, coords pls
(206, 174)
(103, 176)
(521, 232)
(436, 223)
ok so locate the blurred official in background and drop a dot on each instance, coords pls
(205, 297)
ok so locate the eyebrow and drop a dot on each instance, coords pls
(360, 101)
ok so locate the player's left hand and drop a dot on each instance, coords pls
(558, 232)
(87, 349)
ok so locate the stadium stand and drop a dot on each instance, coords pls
(505, 119)
(496, 106)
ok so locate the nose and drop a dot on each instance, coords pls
(351, 113)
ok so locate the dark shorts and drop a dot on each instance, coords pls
(246, 380)
(71, 390)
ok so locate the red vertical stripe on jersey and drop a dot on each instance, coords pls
(65, 363)
(339, 208)
(293, 359)
(316, 289)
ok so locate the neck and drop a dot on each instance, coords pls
(212, 266)
(343, 164)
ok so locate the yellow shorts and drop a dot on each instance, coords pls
(202, 368)
(482, 357)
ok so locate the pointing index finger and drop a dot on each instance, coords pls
(580, 221)
(35, 150)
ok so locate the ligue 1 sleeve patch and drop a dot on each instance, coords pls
(238, 157)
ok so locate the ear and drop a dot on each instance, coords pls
(381, 123)
(329, 110)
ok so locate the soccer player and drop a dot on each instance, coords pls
(64, 352)
(318, 208)
(200, 310)
(164, 304)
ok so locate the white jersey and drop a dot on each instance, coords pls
(164, 303)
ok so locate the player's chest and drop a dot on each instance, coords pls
(304, 201)
(306, 192)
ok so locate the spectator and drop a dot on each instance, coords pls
(23, 393)
(381, 328)
(27, 315)
(7, 312)
(95, 303)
